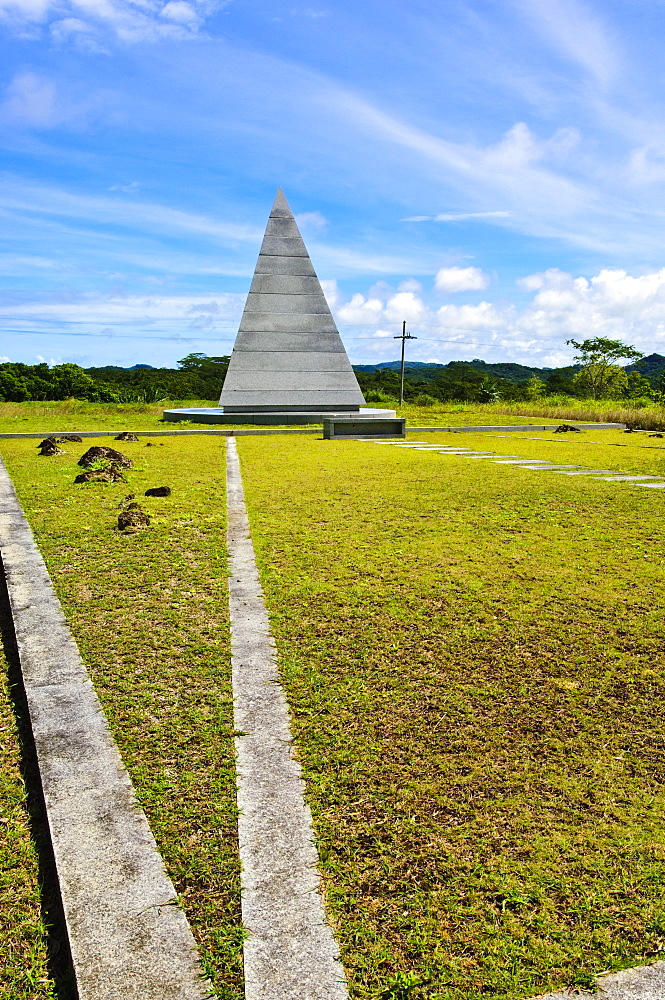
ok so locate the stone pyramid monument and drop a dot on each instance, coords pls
(288, 357)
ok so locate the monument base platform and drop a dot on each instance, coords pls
(217, 415)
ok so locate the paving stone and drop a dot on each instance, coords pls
(653, 486)
(623, 479)
(289, 952)
(645, 982)
(587, 472)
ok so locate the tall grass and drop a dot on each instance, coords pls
(634, 413)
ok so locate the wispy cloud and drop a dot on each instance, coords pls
(456, 216)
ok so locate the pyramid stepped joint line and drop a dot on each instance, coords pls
(288, 353)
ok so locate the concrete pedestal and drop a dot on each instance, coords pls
(217, 415)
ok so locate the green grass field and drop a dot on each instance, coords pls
(473, 657)
(149, 612)
(79, 415)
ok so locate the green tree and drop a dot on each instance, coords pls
(598, 357)
(534, 388)
(614, 383)
(638, 386)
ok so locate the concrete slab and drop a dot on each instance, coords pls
(546, 467)
(291, 397)
(290, 951)
(127, 935)
(254, 322)
(289, 361)
(653, 486)
(216, 415)
(263, 341)
(285, 284)
(646, 982)
(624, 479)
(282, 226)
(283, 247)
(275, 264)
(282, 381)
(521, 461)
(587, 472)
(269, 303)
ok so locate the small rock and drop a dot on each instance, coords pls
(126, 436)
(111, 474)
(110, 454)
(133, 519)
(158, 491)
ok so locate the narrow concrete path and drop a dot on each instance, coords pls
(128, 937)
(290, 952)
(535, 465)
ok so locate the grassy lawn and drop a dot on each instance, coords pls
(78, 415)
(473, 655)
(149, 612)
(23, 969)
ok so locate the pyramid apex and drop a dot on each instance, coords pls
(280, 207)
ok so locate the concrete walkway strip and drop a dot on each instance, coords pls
(127, 935)
(624, 479)
(290, 952)
(652, 486)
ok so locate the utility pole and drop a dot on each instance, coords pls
(403, 337)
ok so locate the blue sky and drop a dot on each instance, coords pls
(491, 172)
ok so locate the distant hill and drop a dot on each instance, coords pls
(652, 367)
(427, 372)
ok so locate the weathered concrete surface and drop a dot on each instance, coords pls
(274, 415)
(287, 313)
(653, 486)
(647, 982)
(624, 479)
(128, 937)
(290, 952)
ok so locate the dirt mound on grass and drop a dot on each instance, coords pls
(74, 438)
(563, 428)
(49, 446)
(158, 491)
(111, 474)
(99, 453)
(132, 519)
(126, 436)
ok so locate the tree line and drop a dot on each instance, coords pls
(196, 377)
(596, 375)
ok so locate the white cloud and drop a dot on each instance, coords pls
(460, 279)
(93, 22)
(456, 216)
(610, 304)
(361, 311)
(405, 306)
(312, 221)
